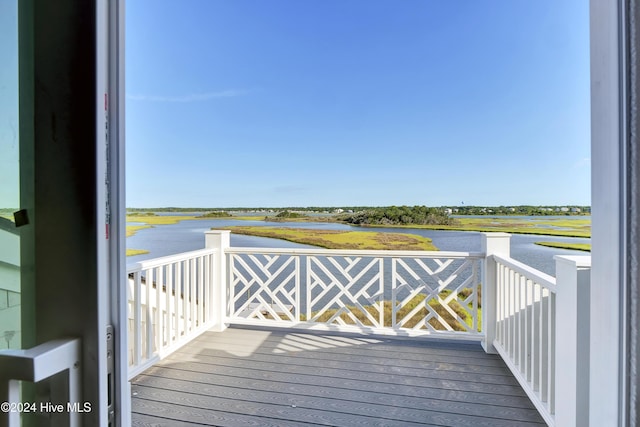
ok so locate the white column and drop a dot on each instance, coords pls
(572, 340)
(609, 127)
(498, 244)
(219, 239)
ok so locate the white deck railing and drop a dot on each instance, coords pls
(387, 292)
(525, 329)
(170, 303)
(538, 324)
(541, 330)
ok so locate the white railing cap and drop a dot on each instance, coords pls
(579, 261)
(155, 262)
(355, 252)
(495, 234)
(527, 271)
(217, 232)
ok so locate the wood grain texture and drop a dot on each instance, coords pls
(281, 377)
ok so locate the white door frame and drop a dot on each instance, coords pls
(610, 213)
(111, 87)
(615, 181)
(72, 158)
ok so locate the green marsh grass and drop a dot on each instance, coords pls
(561, 245)
(132, 252)
(339, 239)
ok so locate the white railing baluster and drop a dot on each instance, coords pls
(551, 358)
(395, 285)
(159, 331)
(536, 353)
(177, 296)
(528, 330)
(192, 294)
(185, 296)
(168, 310)
(528, 323)
(544, 381)
(137, 318)
(168, 303)
(526, 345)
(514, 279)
(499, 306)
(149, 339)
(206, 296)
(522, 319)
(199, 291)
(510, 291)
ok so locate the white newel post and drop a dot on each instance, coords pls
(573, 279)
(492, 244)
(219, 239)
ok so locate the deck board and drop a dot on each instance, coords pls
(281, 377)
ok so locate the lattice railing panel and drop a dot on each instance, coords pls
(436, 294)
(345, 290)
(264, 286)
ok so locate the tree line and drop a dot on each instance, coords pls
(399, 215)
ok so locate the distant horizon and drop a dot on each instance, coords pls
(360, 206)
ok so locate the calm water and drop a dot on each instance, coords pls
(189, 235)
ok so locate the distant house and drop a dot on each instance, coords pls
(448, 211)
(576, 210)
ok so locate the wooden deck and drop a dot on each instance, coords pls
(261, 377)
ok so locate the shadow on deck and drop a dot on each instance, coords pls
(273, 377)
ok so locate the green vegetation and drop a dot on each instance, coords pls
(403, 215)
(152, 220)
(167, 209)
(132, 252)
(142, 213)
(7, 213)
(216, 214)
(575, 246)
(159, 219)
(526, 210)
(565, 227)
(285, 216)
(133, 229)
(456, 306)
(338, 239)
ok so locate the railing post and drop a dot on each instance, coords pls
(218, 239)
(573, 281)
(500, 244)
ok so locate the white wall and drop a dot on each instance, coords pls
(9, 290)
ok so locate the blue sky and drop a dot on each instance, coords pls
(357, 102)
(9, 146)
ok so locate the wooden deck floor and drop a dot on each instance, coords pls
(251, 377)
